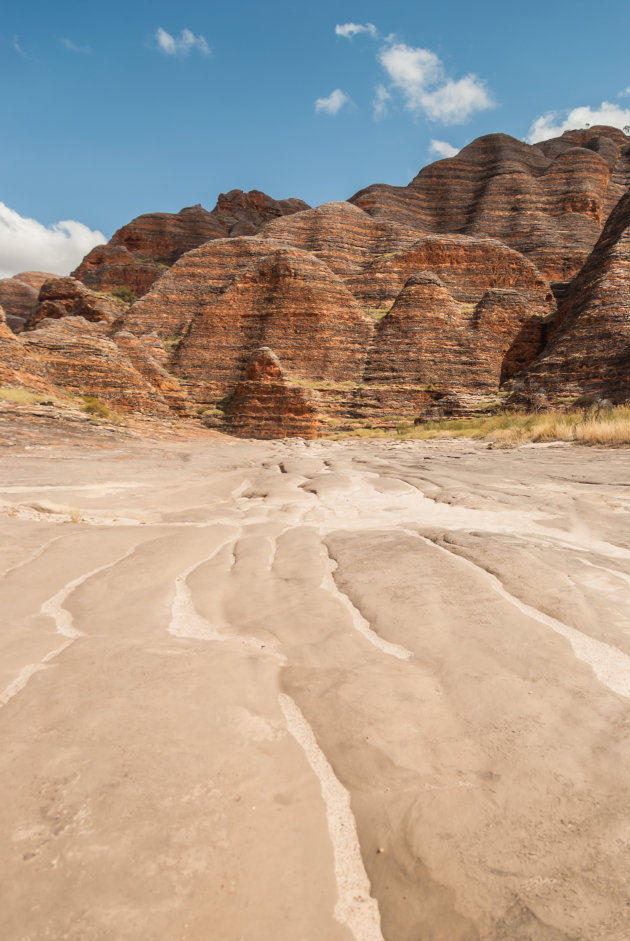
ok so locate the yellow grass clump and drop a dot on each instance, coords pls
(511, 429)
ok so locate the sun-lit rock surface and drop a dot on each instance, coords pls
(139, 253)
(548, 201)
(19, 295)
(266, 405)
(67, 297)
(590, 350)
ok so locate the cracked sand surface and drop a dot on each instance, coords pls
(320, 691)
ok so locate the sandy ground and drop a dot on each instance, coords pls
(297, 691)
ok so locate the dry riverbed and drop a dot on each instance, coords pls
(325, 691)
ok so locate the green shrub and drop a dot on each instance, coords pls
(94, 406)
(122, 293)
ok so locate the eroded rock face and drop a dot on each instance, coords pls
(244, 213)
(266, 405)
(19, 295)
(67, 297)
(223, 301)
(347, 239)
(589, 352)
(20, 366)
(77, 358)
(431, 340)
(548, 201)
(139, 253)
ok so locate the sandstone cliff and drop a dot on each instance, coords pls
(220, 303)
(548, 201)
(265, 405)
(67, 297)
(590, 350)
(140, 252)
(270, 318)
(19, 296)
(375, 258)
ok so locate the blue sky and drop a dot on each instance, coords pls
(114, 109)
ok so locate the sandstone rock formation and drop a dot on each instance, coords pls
(19, 295)
(400, 302)
(548, 201)
(266, 405)
(220, 303)
(20, 366)
(140, 252)
(590, 350)
(375, 258)
(244, 213)
(77, 358)
(428, 339)
(67, 297)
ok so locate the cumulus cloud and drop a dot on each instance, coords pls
(554, 123)
(419, 76)
(181, 45)
(379, 104)
(334, 103)
(442, 148)
(411, 71)
(455, 102)
(26, 244)
(625, 92)
(348, 30)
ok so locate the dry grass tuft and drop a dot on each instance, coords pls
(20, 396)
(511, 429)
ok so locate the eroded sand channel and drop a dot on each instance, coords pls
(314, 692)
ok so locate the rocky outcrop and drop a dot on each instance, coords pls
(67, 297)
(20, 366)
(375, 258)
(77, 358)
(430, 340)
(244, 213)
(347, 239)
(467, 266)
(223, 301)
(19, 295)
(266, 405)
(589, 352)
(139, 253)
(548, 201)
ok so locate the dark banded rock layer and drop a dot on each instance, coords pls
(139, 253)
(548, 201)
(266, 405)
(19, 296)
(589, 352)
(223, 301)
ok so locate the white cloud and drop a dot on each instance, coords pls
(72, 47)
(625, 92)
(554, 123)
(181, 45)
(442, 148)
(348, 30)
(381, 97)
(17, 47)
(411, 71)
(26, 244)
(335, 101)
(419, 75)
(455, 102)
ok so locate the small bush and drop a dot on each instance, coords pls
(122, 293)
(94, 406)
